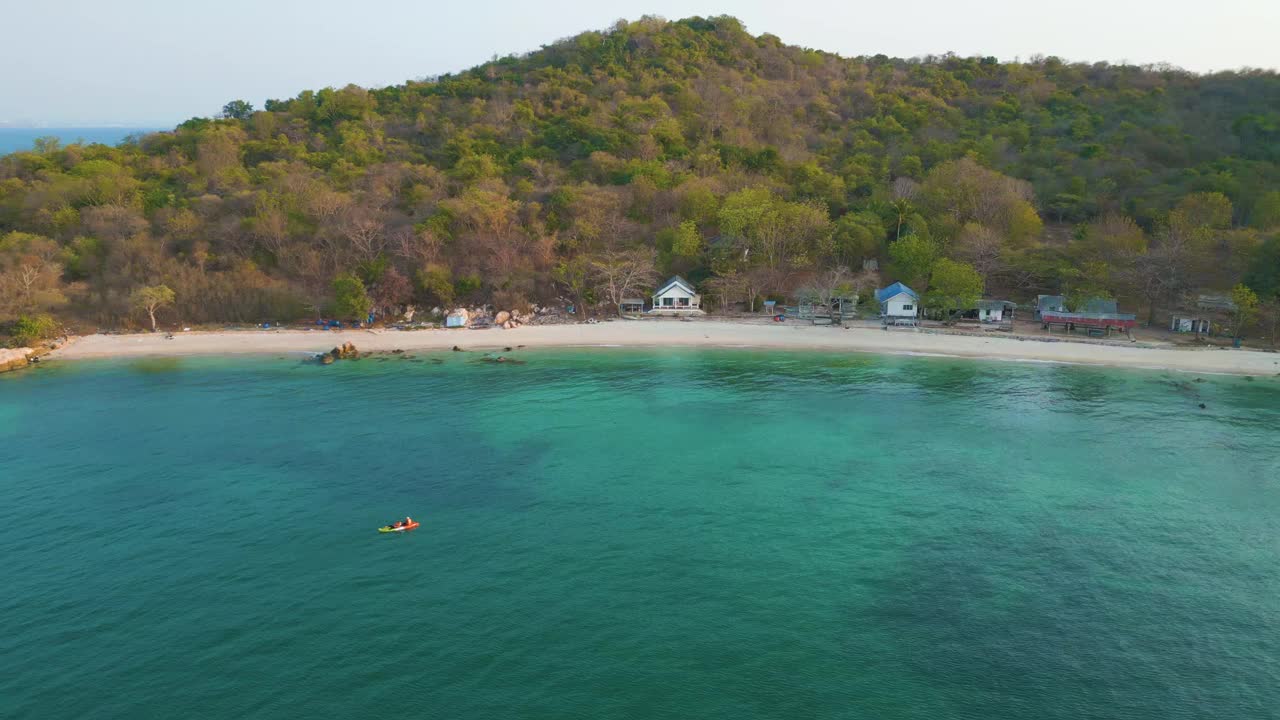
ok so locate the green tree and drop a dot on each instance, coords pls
(953, 287)
(1087, 281)
(1246, 308)
(913, 259)
(350, 299)
(963, 191)
(31, 329)
(237, 110)
(902, 209)
(687, 241)
(1266, 211)
(856, 237)
(1206, 210)
(150, 299)
(435, 282)
(1111, 238)
(575, 275)
(777, 233)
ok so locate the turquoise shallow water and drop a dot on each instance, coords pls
(685, 534)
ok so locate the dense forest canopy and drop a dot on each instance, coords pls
(748, 165)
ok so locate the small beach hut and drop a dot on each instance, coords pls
(898, 302)
(1189, 324)
(995, 311)
(631, 305)
(676, 295)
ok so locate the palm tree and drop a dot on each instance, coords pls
(903, 208)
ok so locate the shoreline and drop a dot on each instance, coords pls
(659, 334)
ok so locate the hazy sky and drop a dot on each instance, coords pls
(154, 63)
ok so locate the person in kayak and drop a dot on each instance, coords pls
(408, 521)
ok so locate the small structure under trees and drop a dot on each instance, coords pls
(631, 305)
(617, 275)
(1050, 303)
(1101, 321)
(829, 299)
(1190, 324)
(995, 311)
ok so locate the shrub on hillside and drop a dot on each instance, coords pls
(31, 329)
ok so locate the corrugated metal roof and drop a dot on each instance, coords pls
(1104, 306)
(993, 304)
(1051, 302)
(1215, 302)
(677, 280)
(1092, 316)
(894, 289)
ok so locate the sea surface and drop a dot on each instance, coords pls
(637, 534)
(15, 139)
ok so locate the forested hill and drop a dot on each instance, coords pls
(744, 163)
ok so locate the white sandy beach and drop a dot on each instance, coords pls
(704, 333)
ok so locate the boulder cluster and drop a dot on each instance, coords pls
(505, 319)
(345, 351)
(510, 319)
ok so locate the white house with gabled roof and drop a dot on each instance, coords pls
(676, 295)
(898, 302)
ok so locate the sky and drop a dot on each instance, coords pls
(154, 63)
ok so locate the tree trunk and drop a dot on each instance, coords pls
(152, 312)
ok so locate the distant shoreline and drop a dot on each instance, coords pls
(670, 333)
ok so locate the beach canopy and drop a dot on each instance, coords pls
(895, 289)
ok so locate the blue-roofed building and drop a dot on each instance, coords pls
(898, 302)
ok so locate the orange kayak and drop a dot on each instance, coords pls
(402, 528)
